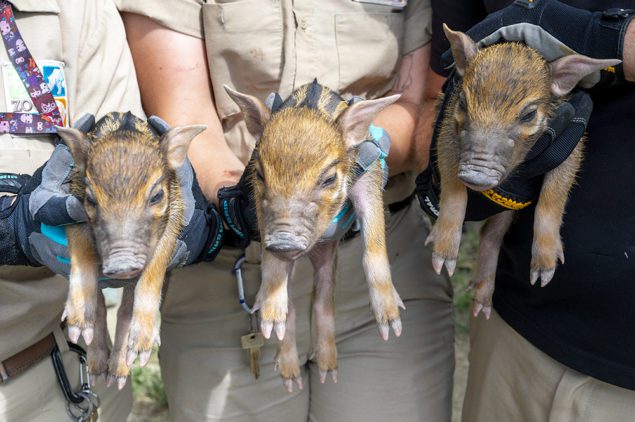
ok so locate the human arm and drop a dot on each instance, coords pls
(174, 80)
(399, 119)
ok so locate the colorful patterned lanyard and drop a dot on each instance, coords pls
(31, 76)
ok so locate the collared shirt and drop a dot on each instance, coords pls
(81, 49)
(263, 46)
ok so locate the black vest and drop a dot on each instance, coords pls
(584, 318)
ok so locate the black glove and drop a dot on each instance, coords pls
(522, 187)
(238, 210)
(555, 29)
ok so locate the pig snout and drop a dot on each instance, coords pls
(480, 175)
(285, 244)
(123, 265)
(476, 180)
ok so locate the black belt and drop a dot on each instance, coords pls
(395, 207)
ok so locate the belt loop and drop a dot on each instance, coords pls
(60, 339)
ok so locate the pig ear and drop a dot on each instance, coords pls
(255, 111)
(176, 141)
(77, 143)
(463, 48)
(356, 119)
(567, 71)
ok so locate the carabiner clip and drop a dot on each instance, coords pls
(237, 272)
(80, 406)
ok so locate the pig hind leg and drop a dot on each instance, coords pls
(118, 369)
(492, 235)
(97, 351)
(81, 303)
(287, 362)
(367, 199)
(323, 259)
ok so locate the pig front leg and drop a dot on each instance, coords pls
(147, 300)
(446, 232)
(97, 351)
(547, 245)
(118, 368)
(273, 297)
(323, 260)
(287, 361)
(81, 303)
(366, 196)
(489, 245)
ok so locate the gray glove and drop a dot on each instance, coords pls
(375, 148)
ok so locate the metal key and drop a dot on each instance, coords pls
(253, 342)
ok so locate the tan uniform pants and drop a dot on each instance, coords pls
(35, 395)
(206, 373)
(511, 380)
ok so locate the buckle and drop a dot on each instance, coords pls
(527, 4)
(617, 13)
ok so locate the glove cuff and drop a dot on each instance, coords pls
(229, 199)
(214, 242)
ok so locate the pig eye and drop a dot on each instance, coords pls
(90, 200)
(462, 102)
(528, 116)
(156, 198)
(259, 175)
(328, 182)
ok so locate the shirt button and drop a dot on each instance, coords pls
(303, 24)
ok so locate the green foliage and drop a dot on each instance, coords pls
(147, 383)
(463, 275)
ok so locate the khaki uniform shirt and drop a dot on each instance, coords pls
(263, 46)
(80, 47)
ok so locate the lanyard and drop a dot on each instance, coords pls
(31, 77)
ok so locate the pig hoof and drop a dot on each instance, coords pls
(324, 373)
(144, 357)
(280, 329)
(384, 330)
(437, 263)
(266, 327)
(121, 381)
(288, 383)
(429, 239)
(130, 357)
(450, 265)
(396, 327)
(94, 379)
(88, 335)
(74, 333)
(477, 308)
(545, 276)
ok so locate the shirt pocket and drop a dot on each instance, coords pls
(244, 46)
(369, 47)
